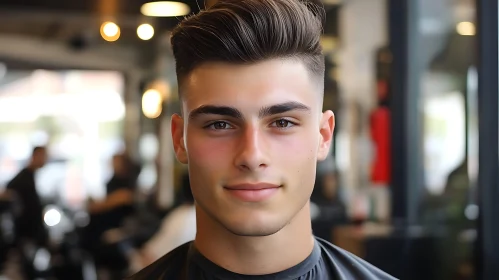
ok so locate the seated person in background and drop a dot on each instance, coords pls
(177, 228)
(120, 189)
(111, 213)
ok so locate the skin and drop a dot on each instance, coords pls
(38, 159)
(273, 131)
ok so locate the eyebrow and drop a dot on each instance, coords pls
(235, 113)
(216, 110)
(282, 108)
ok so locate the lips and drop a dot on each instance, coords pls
(252, 192)
(252, 187)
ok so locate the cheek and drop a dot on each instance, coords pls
(297, 158)
(296, 149)
(208, 155)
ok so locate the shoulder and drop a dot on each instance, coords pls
(16, 180)
(179, 211)
(184, 211)
(348, 265)
(175, 217)
(167, 267)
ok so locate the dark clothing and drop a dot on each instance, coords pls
(116, 216)
(104, 254)
(119, 183)
(112, 218)
(326, 262)
(29, 223)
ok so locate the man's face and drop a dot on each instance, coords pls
(39, 158)
(118, 165)
(251, 136)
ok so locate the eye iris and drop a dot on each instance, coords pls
(220, 125)
(282, 123)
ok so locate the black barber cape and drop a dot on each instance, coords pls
(326, 262)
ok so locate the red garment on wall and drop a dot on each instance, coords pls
(380, 134)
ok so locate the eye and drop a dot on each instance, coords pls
(219, 125)
(283, 123)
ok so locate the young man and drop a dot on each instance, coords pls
(251, 75)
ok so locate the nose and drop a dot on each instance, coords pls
(252, 151)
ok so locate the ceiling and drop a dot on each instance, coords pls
(76, 25)
(62, 18)
(123, 7)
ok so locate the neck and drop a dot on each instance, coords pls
(31, 167)
(255, 255)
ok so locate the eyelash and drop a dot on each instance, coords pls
(211, 125)
(290, 124)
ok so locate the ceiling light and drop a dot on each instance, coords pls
(152, 103)
(466, 28)
(165, 9)
(110, 31)
(145, 31)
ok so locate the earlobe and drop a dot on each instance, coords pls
(326, 134)
(177, 130)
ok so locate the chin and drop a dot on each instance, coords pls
(253, 232)
(252, 228)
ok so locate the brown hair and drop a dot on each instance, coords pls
(250, 31)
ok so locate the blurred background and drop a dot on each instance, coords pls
(411, 184)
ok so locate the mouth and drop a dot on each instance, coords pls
(253, 192)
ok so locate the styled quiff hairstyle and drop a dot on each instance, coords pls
(251, 31)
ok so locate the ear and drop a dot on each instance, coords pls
(177, 127)
(326, 134)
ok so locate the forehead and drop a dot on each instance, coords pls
(264, 82)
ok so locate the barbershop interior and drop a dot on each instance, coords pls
(408, 187)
